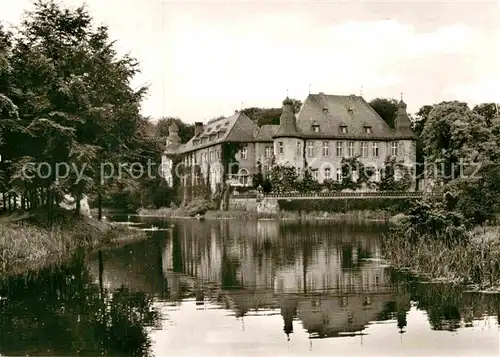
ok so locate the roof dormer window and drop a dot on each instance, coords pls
(343, 129)
(368, 129)
(219, 134)
(212, 137)
(196, 142)
(315, 127)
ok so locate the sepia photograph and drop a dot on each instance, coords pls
(266, 178)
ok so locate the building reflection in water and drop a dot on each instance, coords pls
(327, 277)
(327, 280)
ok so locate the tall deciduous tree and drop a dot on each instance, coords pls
(75, 102)
(488, 111)
(270, 116)
(386, 108)
(454, 135)
(186, 131)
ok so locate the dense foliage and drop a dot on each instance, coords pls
(459, 146)
(393, 205)
(386, 108)
(67, 103)
(69, 117)
(355, 176)
(270, 116)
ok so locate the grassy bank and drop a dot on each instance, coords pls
(26, 243)
(380, 209)
(377, 215)
(474, 261)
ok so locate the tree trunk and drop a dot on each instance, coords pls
(4, 201)
(31, 198)
(9, 202)
(225, 197)
(49, 206)
(78, 204)
(42, 200)
(99, 206)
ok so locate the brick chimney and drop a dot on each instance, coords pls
(198, 128)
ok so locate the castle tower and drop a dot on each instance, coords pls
(402, 124)
(288, 144)
(173, 139)
(172, 144)
(406, 138)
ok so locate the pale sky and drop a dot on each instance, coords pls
(203, 59)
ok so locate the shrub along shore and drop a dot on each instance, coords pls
(438, 244)
(475, 261)
(378, 215)
(27, 243)
(290, 209)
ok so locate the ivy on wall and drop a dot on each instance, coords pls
(355, 175)
(389, 181)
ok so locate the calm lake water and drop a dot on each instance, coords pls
(236, 288)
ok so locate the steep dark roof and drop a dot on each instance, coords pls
(266, 132)
(402, 124)
(332, 112)
(236, 128)
(287, 127)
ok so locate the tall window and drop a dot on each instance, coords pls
(244, 152)
(339, 148)
(315, 174)
(339, 174)
(280, 147)
(217, 154)
(327, 173)
(364, 149)
(394, 148)
(326, 148)
(350, 149)
(310, 148)
(299, 148)
(375, 149)
(243, 177)
(269, 151)
(211, 156)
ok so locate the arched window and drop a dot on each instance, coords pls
(243, 176)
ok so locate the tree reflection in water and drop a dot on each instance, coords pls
(61, 311)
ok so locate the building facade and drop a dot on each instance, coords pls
(327, 129)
